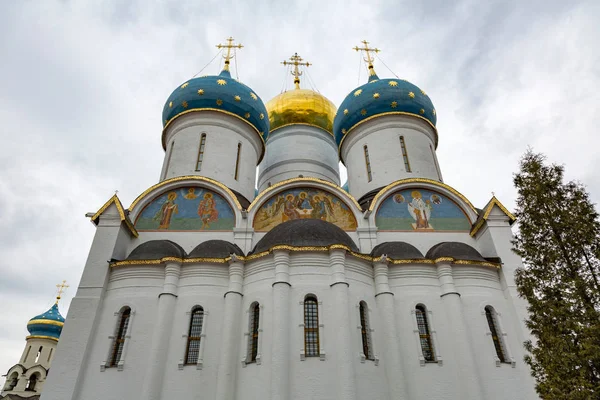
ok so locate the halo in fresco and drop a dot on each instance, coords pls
(420, 210)
(187, 209)
(304, 203)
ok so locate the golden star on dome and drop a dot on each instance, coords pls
(255, 97)
(237, 98)
(200, 92)
(357, 93)
(185, 85)
(411, 95)
(421, 111)
(393, 83)
(346, 111)
(247, 115)
(363, 112)
(219, 102)
(394, 104)
(423, 92)
(261, 116)
(375, 95)
(344, 131)
(184, 104)
(222, 82)
(170, 104)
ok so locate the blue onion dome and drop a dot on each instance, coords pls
(380, 97)
(219, 93)
(47, 325)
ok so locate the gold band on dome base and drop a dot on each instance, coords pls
(301, 123)
(41, 337)
(45, 322)
(164, 131)
(360, 256)
(383, 115)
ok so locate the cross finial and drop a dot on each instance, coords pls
(229, 46)
(116, 192)
(493, 194)
(61, 288)
(296, 61)
(369, 59)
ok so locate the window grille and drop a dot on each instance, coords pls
(424, 334)
(253, 336)
(404, 154)
(119, 341)
(194, 336)
(201, 151)
(311, 327)
(368, 163)
(490, 314)
(237, 161)
(365, 331)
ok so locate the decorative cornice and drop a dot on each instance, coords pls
(486, 214)
(302, 123)
(307, 179)
(122, 214)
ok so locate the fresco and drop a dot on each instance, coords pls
(300, 203)
(187, 209)
(420, 210)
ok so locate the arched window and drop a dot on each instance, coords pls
(253, 332)
(311, 326)
(492, 320)
(194, 336)
(39, 353)
(424, 333)
(365, 331)
(30, 387)
(119, 340)
(12, 381)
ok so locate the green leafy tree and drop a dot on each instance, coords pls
(559, 241)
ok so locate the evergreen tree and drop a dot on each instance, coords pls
(559, 241)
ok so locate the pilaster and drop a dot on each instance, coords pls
(280, 359)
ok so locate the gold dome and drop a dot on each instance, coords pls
(301, 106)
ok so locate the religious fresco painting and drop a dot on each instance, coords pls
(187, 209)
(420, 210)
(304, 203)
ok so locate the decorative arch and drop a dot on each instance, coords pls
(304, 198)
(189, 203)
(422, 205)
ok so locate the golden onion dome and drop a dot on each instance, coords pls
(301, 106)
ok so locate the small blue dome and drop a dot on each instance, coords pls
(381, 97)
(47, 325)
(217, 93)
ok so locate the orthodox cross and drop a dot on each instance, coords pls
(228, 46)
(369, 59)
(296, 61)
(61, 288)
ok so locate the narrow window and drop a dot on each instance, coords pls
(50, 354)
(119, 342)
(201, 151)
(27, 354)
(253, 337)
(194, 336)
(169, 158)
(365, 331)
(237, 161)
(368, 163)
(424, 334)
(404, 154)
(30, 387)
(490, 314)
(39, 353)
(311, 327)
(437, 166)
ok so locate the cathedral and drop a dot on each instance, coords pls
(250, 271)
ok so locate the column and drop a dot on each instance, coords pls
(280, 357)
(466, 368)
(152, 388)
(392, 361)
(345, 353)
(226, 383)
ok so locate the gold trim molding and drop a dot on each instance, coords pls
(45, 322)
(486, 214)
(41, 337)
(301, 123)
(120, 209)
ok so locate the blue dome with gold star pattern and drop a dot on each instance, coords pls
(47, 325)
(219, 93)
(380, 97)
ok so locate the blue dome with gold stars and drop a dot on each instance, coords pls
(380, 97)
(219, 93)
(47, 325)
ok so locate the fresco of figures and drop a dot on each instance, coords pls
(302, 203)
(187, 209)
(420, 210)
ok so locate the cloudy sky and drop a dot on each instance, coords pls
(83, 85)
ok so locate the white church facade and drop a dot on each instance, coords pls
(218, 283)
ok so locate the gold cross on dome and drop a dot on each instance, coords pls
(229, 46)
(61, 288)
(369, 59)
(296, 61)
